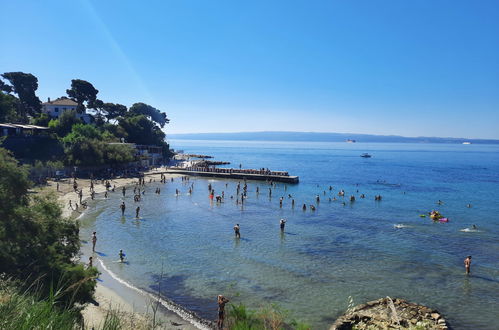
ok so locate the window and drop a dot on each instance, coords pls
(56, 109)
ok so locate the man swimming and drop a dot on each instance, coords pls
(221, 310)
(236, 231)
(467, 264)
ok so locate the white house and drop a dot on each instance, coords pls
(55, 108)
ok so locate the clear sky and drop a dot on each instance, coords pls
(409, 68)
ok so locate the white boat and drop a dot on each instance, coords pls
(466, 142)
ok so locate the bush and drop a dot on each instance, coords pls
(36, 244)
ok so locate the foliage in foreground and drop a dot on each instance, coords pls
(32, 311)
(268, 317)
(38, 246)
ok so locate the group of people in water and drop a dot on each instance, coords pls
(240, 197)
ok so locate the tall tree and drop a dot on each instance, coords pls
(25, 86)
(82, 92)
(8, 106)
(114, 110)
(149, 111)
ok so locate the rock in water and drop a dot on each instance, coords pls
(387, 313)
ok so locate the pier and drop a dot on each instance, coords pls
(231, 173)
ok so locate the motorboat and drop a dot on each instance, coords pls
(365, 155)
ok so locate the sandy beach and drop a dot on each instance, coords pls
(135, 310)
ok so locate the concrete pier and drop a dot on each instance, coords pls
(236, 175)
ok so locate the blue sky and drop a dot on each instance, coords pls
(409, 68)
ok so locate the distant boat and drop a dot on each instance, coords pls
(365, 155)
(466, 142)
(350, 141)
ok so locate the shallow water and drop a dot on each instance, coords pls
(183, 246)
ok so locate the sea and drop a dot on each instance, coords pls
(342, 254)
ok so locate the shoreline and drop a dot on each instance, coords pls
(134, 306)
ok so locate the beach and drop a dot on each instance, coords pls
(135, 308)
(324, 256)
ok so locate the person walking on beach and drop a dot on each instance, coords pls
(282, 223)
(122, 256)
(94, 240)
(236, 230)
(123, 191)
(467, 264)
(90, 262)
(123, 207)
(137, 210)
(221, 310)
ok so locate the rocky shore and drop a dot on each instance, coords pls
(387, 313)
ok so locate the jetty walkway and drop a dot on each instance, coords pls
(231, 173)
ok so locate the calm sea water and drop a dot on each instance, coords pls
(184, 245)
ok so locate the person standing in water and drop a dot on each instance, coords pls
(94, 240)
(123, 207)
(137, 210)
(282, 223)
(467, 264)
(90, 262)
(221, 310)
(236, 230)
(122, 256)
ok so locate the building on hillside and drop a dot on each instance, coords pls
(146, 155)
(21, 130)
(58, 106)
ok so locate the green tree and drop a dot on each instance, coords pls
(4, 87)
(8, 106)
(81, 92)
(36, 244)
(42, 119)
(25, 86)
(149, 111)
(87, 146)
(64, 124)
(141, 130)
(114, 110)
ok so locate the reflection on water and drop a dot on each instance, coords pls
(323, 256)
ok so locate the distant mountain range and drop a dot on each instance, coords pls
(322, 137)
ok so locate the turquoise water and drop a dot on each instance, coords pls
(186, 244)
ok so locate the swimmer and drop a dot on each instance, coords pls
(282, 223)
(468, 206)
(467, 264)
(236, 231)
(137, 210)
(94, 240)
(304, 207)
(123, 207)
